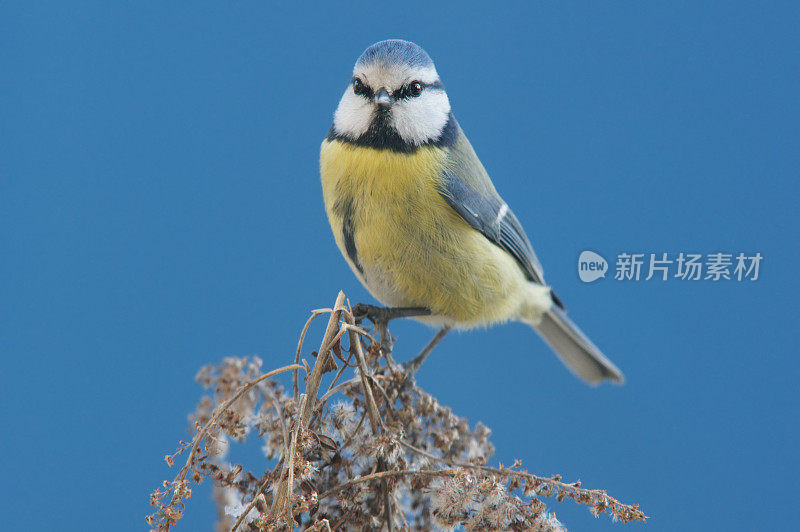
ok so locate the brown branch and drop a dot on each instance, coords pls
(557, 484)
(283, 493)
(390, 474)
(322, 357)
(307, 442)
(314, 314)
(202, 433)
(372, 408)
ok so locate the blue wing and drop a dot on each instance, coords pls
(490, 215)
(466, 187)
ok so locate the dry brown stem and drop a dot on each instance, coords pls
(413, 466)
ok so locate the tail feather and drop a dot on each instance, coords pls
(577, 352)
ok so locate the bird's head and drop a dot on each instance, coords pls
(394, 100)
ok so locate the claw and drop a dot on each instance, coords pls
(381, 316)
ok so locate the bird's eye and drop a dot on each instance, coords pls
(359, 87)
(414, 89)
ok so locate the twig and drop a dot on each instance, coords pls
(279, 410)
(389, 474)
(202, 433)
(338, 388)
(557, 484)
(309, 443)
(352, 436)
(387, 504)
(314, 314)
(284, 489)
(345, 364)
(251, 505)
(322, 356)
(317, 527)
(263, 485)
(290, 483)
(372, 409)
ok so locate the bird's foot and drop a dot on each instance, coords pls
(414, 364)
(377, 314)
(380, 318)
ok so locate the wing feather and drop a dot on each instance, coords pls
(490, 215)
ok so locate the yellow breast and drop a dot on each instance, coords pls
(413, 248)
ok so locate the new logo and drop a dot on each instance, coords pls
(591, 266)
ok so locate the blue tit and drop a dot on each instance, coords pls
(419, 221)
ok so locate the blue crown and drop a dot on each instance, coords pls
(395, 51)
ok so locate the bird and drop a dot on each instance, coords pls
(416, 216)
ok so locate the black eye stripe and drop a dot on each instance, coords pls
(361, 88)
(434, 85)
(405, 93)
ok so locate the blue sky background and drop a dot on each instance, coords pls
(161, 209)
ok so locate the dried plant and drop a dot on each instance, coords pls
(372, 452)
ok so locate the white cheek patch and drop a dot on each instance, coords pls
(423, 118)
(353, 116)
(417, 120)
